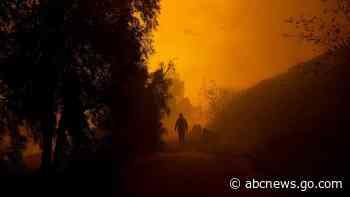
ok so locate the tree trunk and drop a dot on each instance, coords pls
(16, 145)
(60, 143)
(48, 129)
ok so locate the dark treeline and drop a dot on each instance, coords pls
(67, 57)
(293, 124)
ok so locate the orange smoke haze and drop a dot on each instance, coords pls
(233, 42)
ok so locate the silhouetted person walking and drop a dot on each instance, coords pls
(181, 127)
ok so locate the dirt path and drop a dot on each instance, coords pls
(184, 172)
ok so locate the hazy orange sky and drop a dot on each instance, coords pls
(233, 42)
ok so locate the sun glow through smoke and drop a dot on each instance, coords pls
(234, 42)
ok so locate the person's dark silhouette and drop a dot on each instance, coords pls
(181, 127)
(196, 132)
(205, 135)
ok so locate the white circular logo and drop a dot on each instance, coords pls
(235, 183)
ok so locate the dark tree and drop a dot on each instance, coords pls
(329, 30)
(73, 56)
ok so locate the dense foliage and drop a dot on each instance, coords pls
(72, 56)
